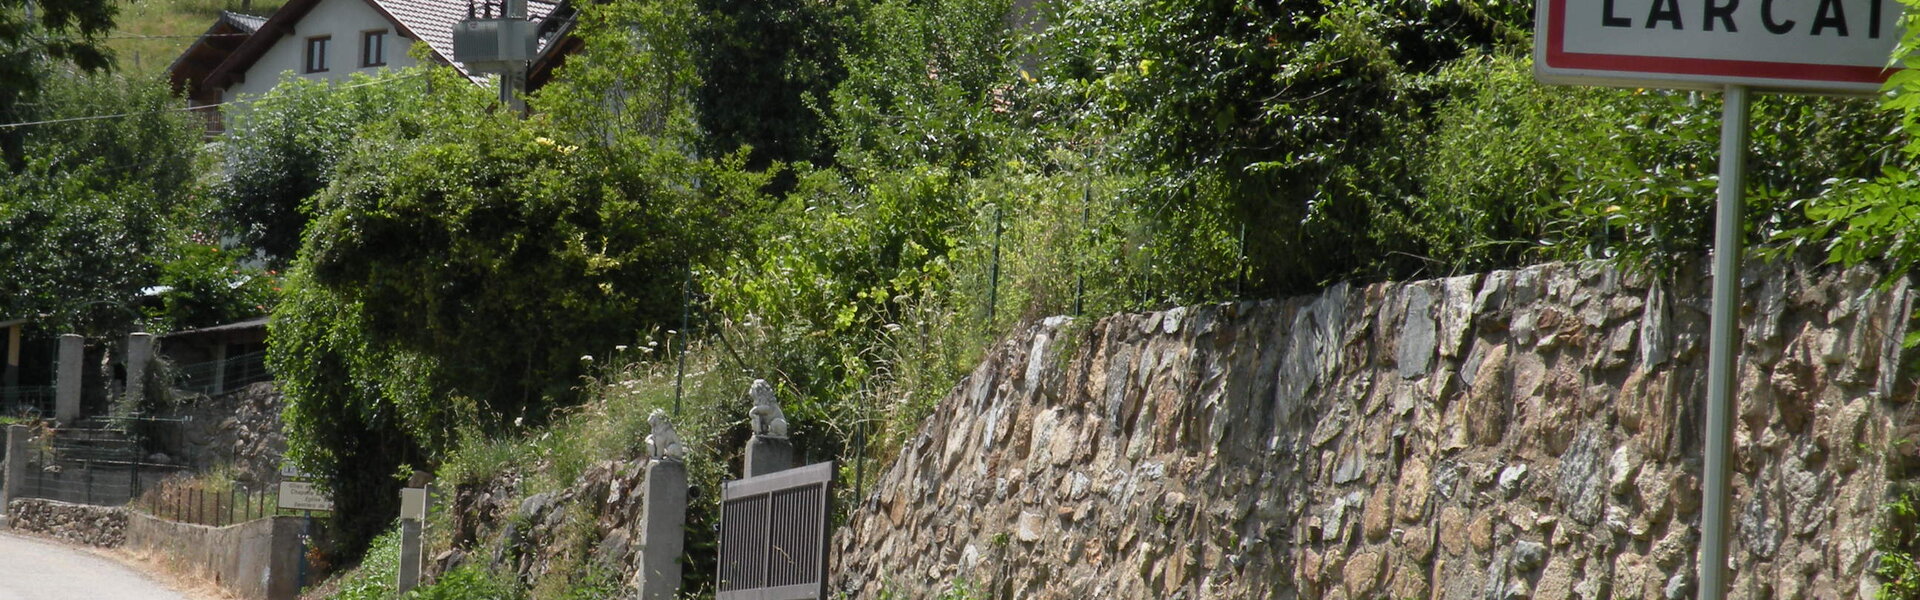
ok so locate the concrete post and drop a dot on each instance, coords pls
(766, 454)
(67, 381)
(663, 521)
(16, 466)
(139, 353)
(286, 558)
(413, 512)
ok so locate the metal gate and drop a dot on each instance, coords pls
(773, 535)
(97, 466)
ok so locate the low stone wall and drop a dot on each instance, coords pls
(1522, 434)
(256, 559)
(104, 526)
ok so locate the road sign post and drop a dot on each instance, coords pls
(1724, 338)
(1832, 47)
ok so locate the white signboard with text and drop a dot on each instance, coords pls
(297, 491)
(302, 495)
(1828, 46)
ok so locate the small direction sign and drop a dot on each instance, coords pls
(302, 495)
(298, 492)
(1826, 46)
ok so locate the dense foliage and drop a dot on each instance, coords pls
(863, 194)
(994, 166)
(38, 40)
(461, 261)
(1517, 172)
(280, 149)
(765, 67)
(109, 207)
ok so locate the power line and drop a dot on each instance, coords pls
(191, 108)
(157, 37)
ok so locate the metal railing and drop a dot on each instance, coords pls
(100, 466)
(97, 482)
(219, 376)
(205, 505)
(26, 400)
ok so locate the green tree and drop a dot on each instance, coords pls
(37, 38)
(101, 207)
(1288, 119)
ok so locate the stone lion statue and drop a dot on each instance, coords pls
(664, 443)
(766, 417)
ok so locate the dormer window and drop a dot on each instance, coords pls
(317, 53)
(373, 48)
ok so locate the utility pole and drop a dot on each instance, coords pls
(513, 82)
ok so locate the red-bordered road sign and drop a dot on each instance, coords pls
(1830, 46)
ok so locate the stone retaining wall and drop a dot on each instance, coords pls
(240, 429)
(103, 526)
(1530, 433)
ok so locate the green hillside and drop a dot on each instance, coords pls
(149, 34)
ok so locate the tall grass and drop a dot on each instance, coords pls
(149, 34)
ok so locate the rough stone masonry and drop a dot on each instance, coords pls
(1519, 434)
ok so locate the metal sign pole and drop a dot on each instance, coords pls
(1723, 343)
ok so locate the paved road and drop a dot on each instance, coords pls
(32, 569)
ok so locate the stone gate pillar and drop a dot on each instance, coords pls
(139, 353)
(16, 466)
(68, 380)
(663, 513)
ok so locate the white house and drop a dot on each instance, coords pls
(323, 39)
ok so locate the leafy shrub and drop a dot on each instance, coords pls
(1518, 172)
(280, 149)
(374, 578)
(1871, 215)
(465, 583)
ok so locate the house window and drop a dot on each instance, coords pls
(373, 48)
(317, 53)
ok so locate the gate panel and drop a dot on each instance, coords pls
(773, 535)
